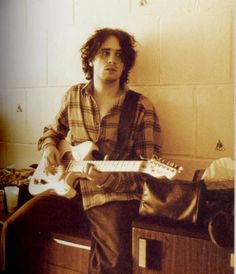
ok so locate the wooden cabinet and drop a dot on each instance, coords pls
(63, 254)
(159, 249)
(66, 254)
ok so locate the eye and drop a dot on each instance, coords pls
(105, 53)
(119, 55)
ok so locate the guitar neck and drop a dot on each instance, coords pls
(107, 166)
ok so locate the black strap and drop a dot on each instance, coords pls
(127, 117)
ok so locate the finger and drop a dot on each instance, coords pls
(106, 157)
(100, 186)
(105, 181)
(51, 169)
(57, 159)
(60, 170)
(85, 170)
(51, 166)
(46, 166)
(87, 167)
(92, 172)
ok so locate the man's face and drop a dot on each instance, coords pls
(108, 64)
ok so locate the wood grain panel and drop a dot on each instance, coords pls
(67, 257)
(183, 255)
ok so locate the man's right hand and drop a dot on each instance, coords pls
(51, 159)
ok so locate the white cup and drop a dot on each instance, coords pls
(1, 199)
(12, 194)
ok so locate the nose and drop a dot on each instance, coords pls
(111, 59)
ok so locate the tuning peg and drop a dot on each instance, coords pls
(180, 169)
(172, 164)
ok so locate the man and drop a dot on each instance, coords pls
(106, 202)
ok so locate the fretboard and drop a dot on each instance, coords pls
(108, 166)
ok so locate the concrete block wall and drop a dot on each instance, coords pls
(185, 66)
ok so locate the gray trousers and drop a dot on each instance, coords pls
(110, 226)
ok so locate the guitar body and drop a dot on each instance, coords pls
(41, 182)
(62, 181)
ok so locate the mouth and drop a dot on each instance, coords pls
(110, 69)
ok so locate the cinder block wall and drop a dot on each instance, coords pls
(185, 67)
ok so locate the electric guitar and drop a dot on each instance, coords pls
(62, 181)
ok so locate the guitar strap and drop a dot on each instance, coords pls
(127, 117)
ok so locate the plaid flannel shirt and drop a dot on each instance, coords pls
(79, 119)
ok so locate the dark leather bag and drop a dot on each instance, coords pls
(173, 201)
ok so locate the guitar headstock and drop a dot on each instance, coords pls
(160, 168)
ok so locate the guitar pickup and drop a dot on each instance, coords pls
(39, 181)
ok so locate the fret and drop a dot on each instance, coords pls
(107, 166)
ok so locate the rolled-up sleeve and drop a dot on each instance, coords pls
(148, 135)
(58, 130)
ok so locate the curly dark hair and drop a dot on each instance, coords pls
(94, 42)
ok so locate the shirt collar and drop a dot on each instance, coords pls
(87, 89)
